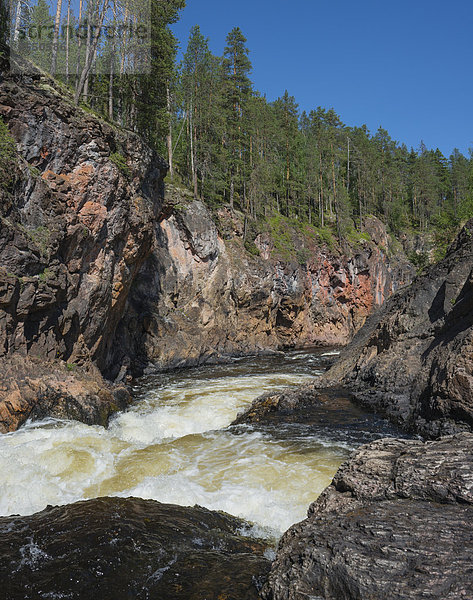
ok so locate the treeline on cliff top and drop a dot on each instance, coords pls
(228, 143)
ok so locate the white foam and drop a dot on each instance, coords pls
(171, 447)
(194, 406)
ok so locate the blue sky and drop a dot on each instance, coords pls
(404, 65)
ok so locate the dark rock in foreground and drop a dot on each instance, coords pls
(395, 523)
(115, 548)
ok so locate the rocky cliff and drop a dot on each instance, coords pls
(413, 360)
(99, 270)
(76, 226)
(394, 523)
(201, 296)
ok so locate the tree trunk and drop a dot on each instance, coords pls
(169, 135)
(348, 166)
(112, 67)
(57, 27)
(321, 192)
(232, 186)
(195, 179)
(110, 89)
(92, 47)
(335, 201)
(122, 61)
(193, 172)
(79, 45)
(68, 36)
(16, 30)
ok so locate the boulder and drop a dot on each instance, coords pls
(395, 523)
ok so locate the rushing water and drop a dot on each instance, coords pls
(175, 445)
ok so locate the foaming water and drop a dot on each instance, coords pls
(174, 445)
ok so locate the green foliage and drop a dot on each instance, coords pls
(34, 171)
(232, 146)
(302, 256)
(8, 156)
(357, 238)
(280, 232)
(326, 236)
(45, 275)
(120, 162)
(310, 168)
(41, 237)
(252, 248)
(420, 260)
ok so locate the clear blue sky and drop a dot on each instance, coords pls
(405, 65)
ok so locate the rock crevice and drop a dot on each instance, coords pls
(413, 360)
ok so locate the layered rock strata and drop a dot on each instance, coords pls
(394, 523)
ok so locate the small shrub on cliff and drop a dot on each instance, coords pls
(303, 256)
(41, 237)
(356, 237)
(326, 236)
(120, 162)
(420, 260)
(280, 232)
(7, 156)
(252, 248)
(45, 275)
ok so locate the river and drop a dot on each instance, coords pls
(175, 445)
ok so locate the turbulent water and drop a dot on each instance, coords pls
(175, 445)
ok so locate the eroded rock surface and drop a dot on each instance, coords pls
(75, 229)
(200, 297)
(394, 523)
(113, 548)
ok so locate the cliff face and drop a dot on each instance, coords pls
(200, 297)
(100, 271)
(413, 360)
(74, 229)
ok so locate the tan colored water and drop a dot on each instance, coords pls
(174, 445)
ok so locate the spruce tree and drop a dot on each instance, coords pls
(236, 91)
